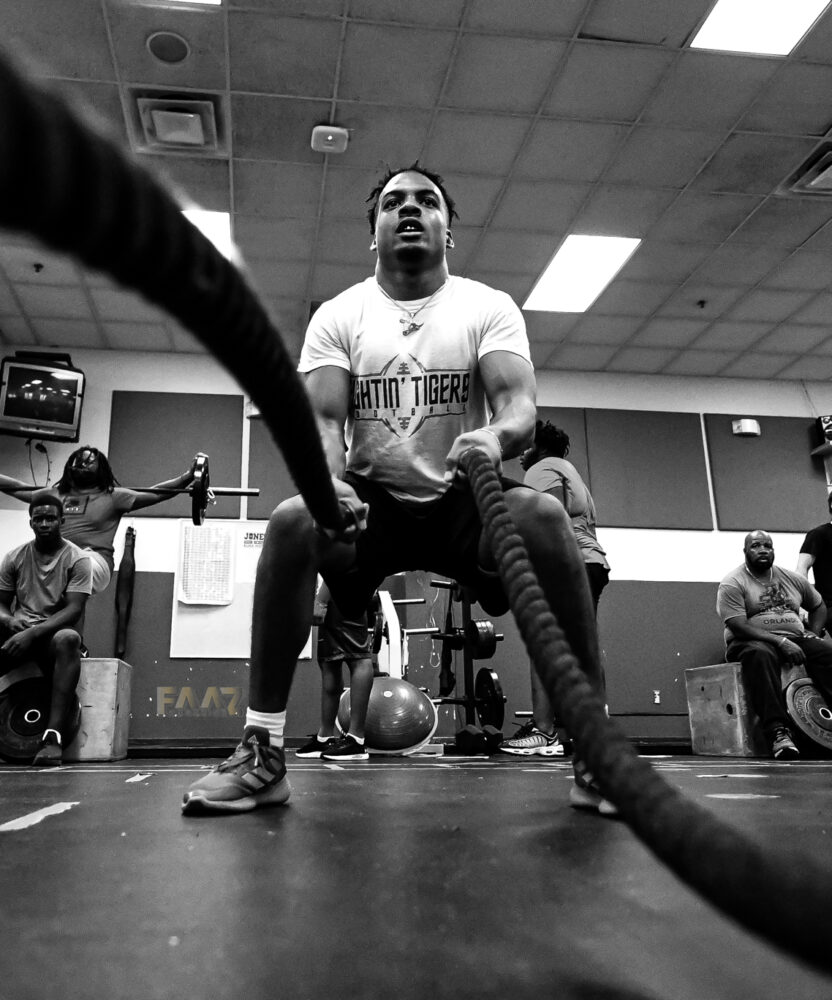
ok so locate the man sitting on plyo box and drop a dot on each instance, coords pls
(760, 604)
(44, 587)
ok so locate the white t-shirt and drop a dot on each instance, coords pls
(412, 394)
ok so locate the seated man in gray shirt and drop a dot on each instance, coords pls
(760, 604)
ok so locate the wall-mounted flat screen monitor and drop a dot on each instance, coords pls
(41, 397)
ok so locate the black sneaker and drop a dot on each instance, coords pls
(782, 745)
(254, 775)
(315, 746)
(347, 748)
(49, 753)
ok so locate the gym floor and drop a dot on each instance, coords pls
(393, 878)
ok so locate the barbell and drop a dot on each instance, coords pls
(200, 490)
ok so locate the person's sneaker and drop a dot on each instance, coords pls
(585, 793)
(254, 775)
(346, 748)
(49, 753)
(782, 746)
(314, 747)
(529, 740)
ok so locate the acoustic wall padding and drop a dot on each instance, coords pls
(155, 435)
(267, 470)
(769, 482)
(647, 469)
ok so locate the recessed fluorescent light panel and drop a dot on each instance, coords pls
(216, 226)
(579, 272)
(198, 3)
(758, 27)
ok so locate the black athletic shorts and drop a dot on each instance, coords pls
(342, 638)
(441, 536)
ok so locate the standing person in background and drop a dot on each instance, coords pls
(94, 504)
(816, 554)
(548, 471)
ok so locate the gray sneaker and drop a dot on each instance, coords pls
(782, 746)
(253, 776)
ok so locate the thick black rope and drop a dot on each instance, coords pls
(782, 896)
(77, 192)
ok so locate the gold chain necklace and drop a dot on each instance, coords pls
(409, 324)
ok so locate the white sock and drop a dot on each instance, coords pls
(55, 731)
(358, 739)
(273, 721)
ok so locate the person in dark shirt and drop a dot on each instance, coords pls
(816, 554)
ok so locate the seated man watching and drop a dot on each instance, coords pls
(44, 587)
(760, 604)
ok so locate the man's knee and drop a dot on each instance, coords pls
(759, 654)
(538, 514)
(66, 643)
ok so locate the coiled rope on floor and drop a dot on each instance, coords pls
(70, 187)
(75, 190)
(782, 896)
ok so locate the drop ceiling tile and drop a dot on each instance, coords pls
(569, 151)
(515, 285)
(204, 68)
(280, 239)
(662, 157)
(445, 13)
(345, 242)
(274, 277)
(785, 222)
(275, 128)
(548, 326)
(631, 298)
(277, 190)
(137, 336)
(8, 303)
(768, 304)
(381, 136)
(666, 262)
(701, 301)
(100, 104)
(703, 218)
(534, 17)
(185, 342)
(540, 353)
(816, 311)
(308, 8)
(821, 240)
(543, 206)
(740, 264)
(475, 197)
(16, 331)
(513, 252)
(466, 241)
(484, 73)
(811, 368)
(607, 81)
(53, 300)
(709, 90)
(752, 164)
(803, 269)
(36, 266)
(640, 359)
(331, 279)
(122, 306)
(797, 103)
(668, 23)
(67, 333)
(791, 339)
(754, 365)
(475, 143)
(64, 39)
(203, 181)
(732, 336)
(825, 347)
(622, 211)
(580, 357)
(406, 65)
(817, 44)
(293, 57)
(609, 330)
(699, 363)
(668, 333)
(347, 188)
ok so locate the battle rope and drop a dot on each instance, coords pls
(76, 191)
(783, 897)
(73, 189)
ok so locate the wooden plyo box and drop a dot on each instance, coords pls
(104, 693)
(722, 722)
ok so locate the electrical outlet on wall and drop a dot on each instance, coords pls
(657, 697)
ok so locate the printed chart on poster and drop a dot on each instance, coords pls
(213, 593)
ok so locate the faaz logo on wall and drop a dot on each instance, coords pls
(213, 701)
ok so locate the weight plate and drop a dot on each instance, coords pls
(199, 490)
(489, 698)
(809, 711)
(24, 712)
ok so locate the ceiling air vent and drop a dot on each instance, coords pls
(813, 177)
(189, 124)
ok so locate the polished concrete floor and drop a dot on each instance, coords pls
(392, 878)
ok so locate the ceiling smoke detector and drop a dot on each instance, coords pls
(329, 139)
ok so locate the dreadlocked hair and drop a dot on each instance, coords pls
(416, 168)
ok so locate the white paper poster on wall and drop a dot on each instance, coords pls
(223, 572)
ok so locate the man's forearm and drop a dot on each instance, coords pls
(332, 438)
(65, 618)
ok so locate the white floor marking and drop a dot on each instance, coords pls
(30, 819)
(740, 795)
(138, 777)
(764, 776)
